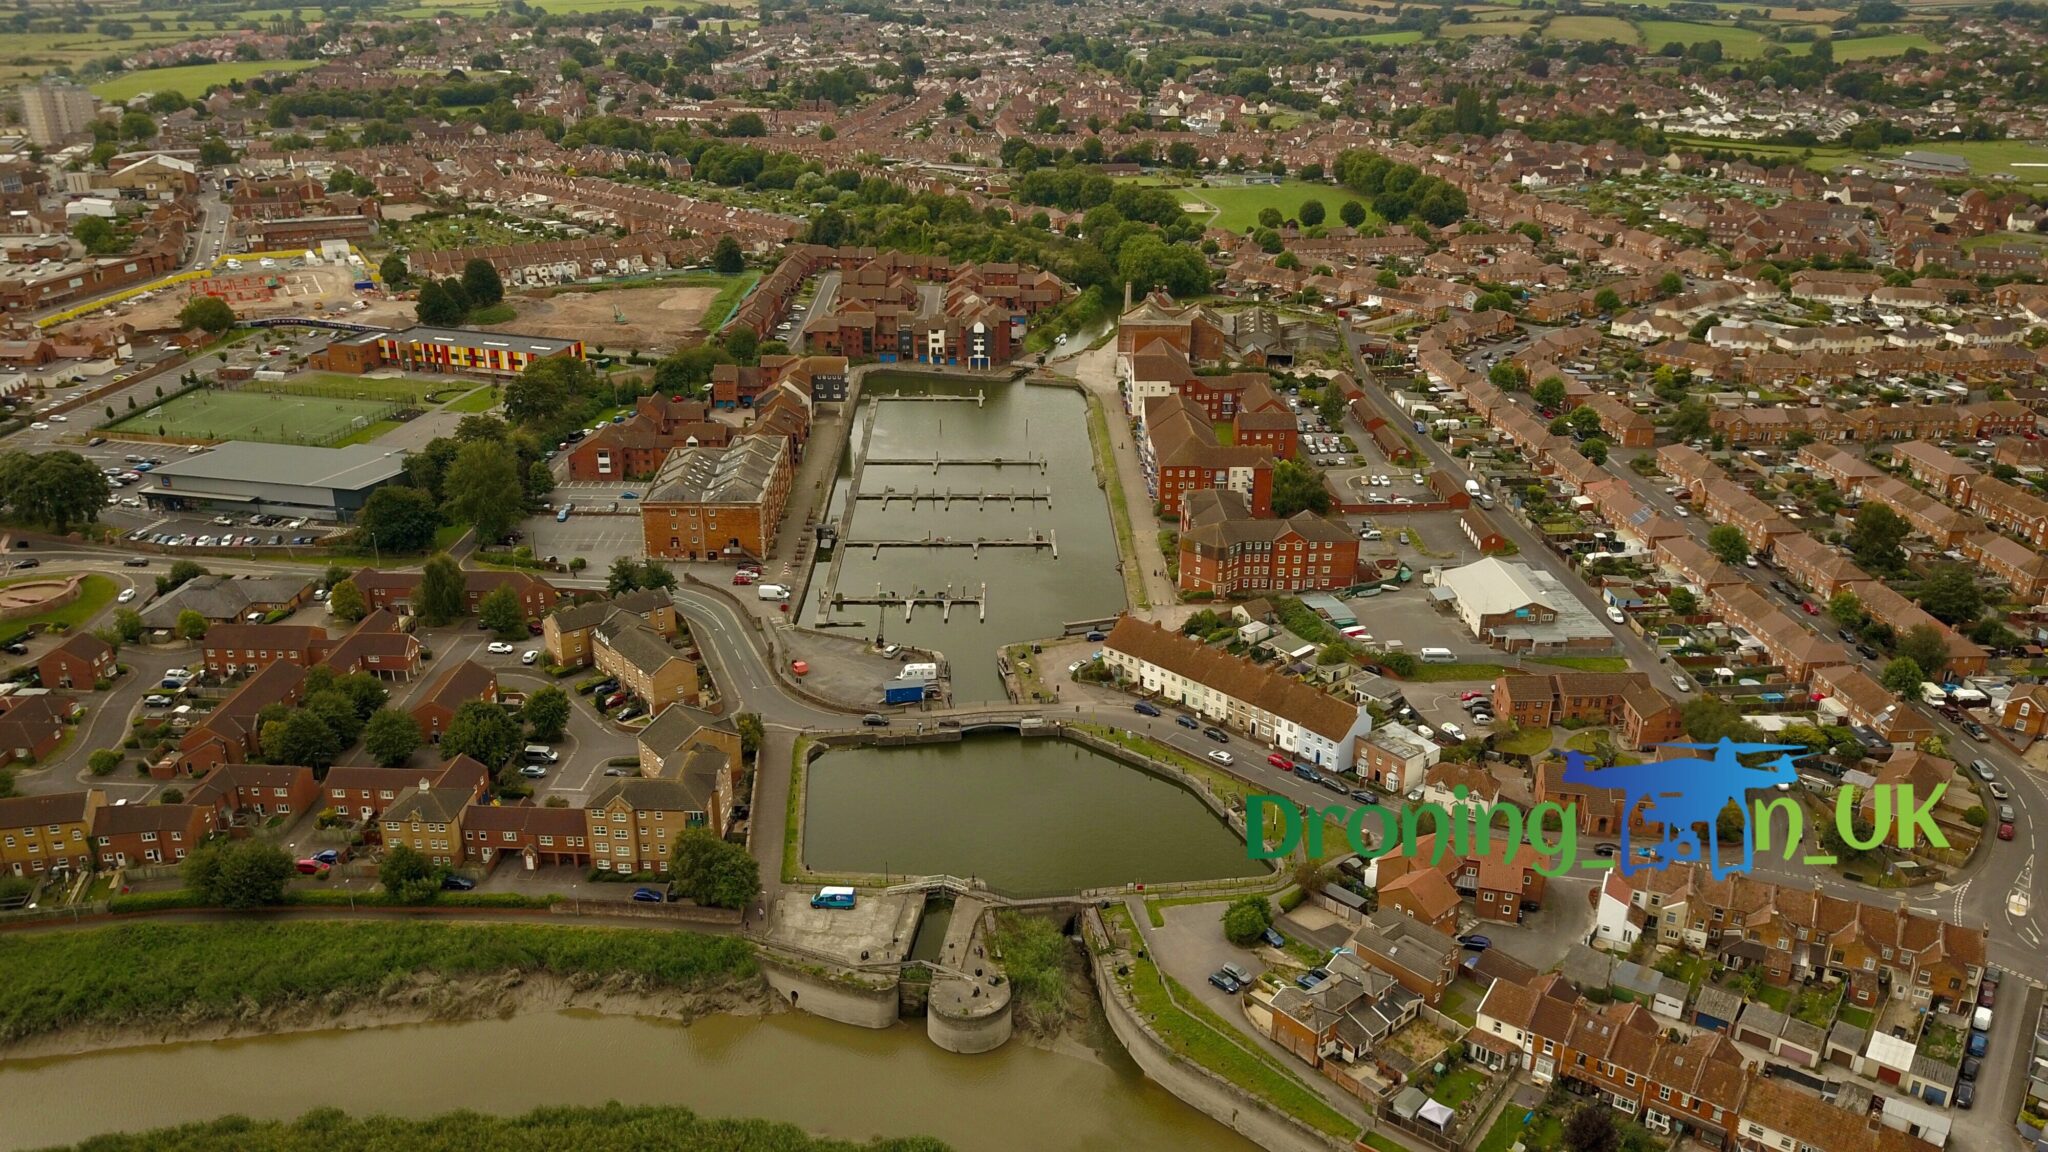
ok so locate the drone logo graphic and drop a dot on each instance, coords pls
(1683, 794)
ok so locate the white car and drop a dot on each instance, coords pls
(1417, 478)
(1222, 757)
(498, 648)
(1681, 683)
(60, 418)
(1452, 732)
(127, 596)
(1615, 615)
(529, 656)
(40, 426)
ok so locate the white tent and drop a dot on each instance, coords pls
(1437, 1114)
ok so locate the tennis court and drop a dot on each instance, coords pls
(214, 414)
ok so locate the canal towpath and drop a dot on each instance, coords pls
(1096, 371)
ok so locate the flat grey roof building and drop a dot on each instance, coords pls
(244, 476)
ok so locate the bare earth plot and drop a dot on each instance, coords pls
(656, 317)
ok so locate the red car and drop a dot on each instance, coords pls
(312, 867)
(2005, 831)
(1464, 696)
(1280, 762)
(1809, 607)
(743, 577)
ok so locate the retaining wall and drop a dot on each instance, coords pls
(862, 1005)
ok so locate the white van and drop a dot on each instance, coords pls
(1438, 656)
(771, 592)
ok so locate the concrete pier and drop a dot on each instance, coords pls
(949, 497)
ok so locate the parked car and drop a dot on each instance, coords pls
(454, 883)
(1273, 938)
(648, 895)
(498, 648)
(1145, 708)
(1216, 734)
(1097, 636)
(1476, 942)
(1279, 761)
(875, 720)
(2005, 831)
(311, 867)
(1307, 773)
(1975, 730)
(1311, 978)
(1966, 1094)
(1979, 1044)
(529, 656)
(1365, 796)
(1222, 757)
(1225, 981)
(533, 771)
(1187, 721)
(329, 856)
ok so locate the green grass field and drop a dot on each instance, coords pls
(1880, 47)
(193, 79)
(95, 592)
(1736, 43)
(1592, 29)
(1237, 207)
(273, 419)
(1487, 28)
(339, 386)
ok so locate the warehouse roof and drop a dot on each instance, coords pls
(355, 467)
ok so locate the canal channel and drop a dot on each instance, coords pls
(1026, 817)
(850, 1083)
(1040, 432)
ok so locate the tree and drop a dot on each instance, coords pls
(214, 151)
(1902, 677)
(407, 876)
(238, 873)
(1296, 489)
(1682, 602)
(1594, 450)
(54, 489)
(347, 603)
(442, 591)
(540, 480)
(546, 713)
(1508, 376)
(1584, 422)
(1727, 542)
(715, 872)
(1846, 609)
(300, 738)
(180, 572)
(623, 577)
(437, 307)
(1607, 300)
(726, 257)
(656, 575)
(538, 394)
(1247, 919)
(1925, 645)
(480, 280)
(1590, 1128)
(481, 730)
(1352, 213)
(1671, 284)
(1692, 420)
(209, 313)
(502, 613)
(1708, 718)
(99, 237)
(103, 761)
(128, 625)
(390, 737)
(1312, 213)
(484, 489)
(1875, 536)
(1952, 595)
(751, 733)
(399, 519)
(1549, 393)
(393, 271)
(191, 625)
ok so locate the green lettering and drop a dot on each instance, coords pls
(1257, 809)
(1760, 823)
(1482, 831)
(1554, 858)
(1446, 827)
(1919, 816)
(1880, 817)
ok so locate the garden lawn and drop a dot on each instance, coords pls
(1523, 742)
(193, 79)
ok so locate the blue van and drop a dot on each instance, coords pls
(833, 898)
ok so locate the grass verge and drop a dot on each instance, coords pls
(793, 813)
(481, 400)
(95, 592)
(1198, 1035)
(1119, 511)
(1585, 663)
(159, 974)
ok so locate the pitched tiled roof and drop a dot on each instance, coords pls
(1319, 712)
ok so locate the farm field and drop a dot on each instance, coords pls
(1591, 29)
(1881, 47)
(1402, 36)
(1484, 28)
(192, 80)
(1736, 43)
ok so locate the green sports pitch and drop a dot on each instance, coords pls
(275, 418)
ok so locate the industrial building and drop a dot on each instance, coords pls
(282, 479)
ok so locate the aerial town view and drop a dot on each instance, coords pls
(996, 575)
